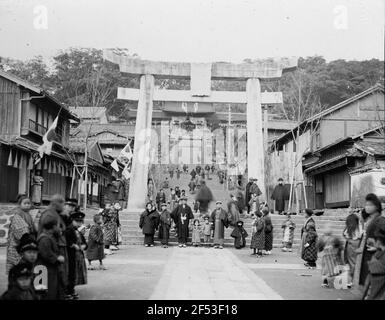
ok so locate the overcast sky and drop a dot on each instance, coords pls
(196, 30)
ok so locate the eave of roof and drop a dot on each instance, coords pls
(377, 87)
(37, 90)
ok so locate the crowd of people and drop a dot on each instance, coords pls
(46, 254)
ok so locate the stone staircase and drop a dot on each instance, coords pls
(133, 235)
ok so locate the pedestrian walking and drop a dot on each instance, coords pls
(149, 221)
(204, 196)
(95, 246)
(21, 223)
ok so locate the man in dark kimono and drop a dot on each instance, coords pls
(182, 216)
(220, 220)
(279, 195)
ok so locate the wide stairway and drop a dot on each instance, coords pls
(335, 220)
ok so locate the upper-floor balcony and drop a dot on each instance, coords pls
(38, 128)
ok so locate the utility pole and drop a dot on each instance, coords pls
(228, 146)
(85, 175)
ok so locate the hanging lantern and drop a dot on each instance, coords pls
(188, 125)
(10, 158)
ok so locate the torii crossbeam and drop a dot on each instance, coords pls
(200, 76)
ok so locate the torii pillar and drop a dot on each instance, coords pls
(252, 73)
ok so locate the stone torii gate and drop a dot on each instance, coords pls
(200, 75)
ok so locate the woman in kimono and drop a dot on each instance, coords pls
(308, 224)
(353, 235)
(21, 223)
(150, 190)
(373, 210)
(258, 236)
(164, 225)
(309, 240)
(149, 221)
(110, 226)
(268, 231)
(220, 221)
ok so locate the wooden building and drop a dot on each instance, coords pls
(330, 169)
(345, 120)
(26, 113)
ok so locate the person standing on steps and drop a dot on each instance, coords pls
(164, 225)
(204, 196)
(182, 216)
(220, 221)
(252, 188)
(279, 196)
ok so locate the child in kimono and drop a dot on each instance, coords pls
(239, 234)
(310, 247)
(206, 230)
(95, 250)
(288, 228)
(49, 256)
(253, 204)
(196, 233)
(20, 285)
(77, 270)
(164, 225)
(258, 235)
(331, 262)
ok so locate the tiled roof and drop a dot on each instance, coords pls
(88, 112)
(372, 147)
(121, 130)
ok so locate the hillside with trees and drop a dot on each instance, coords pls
(80, 77)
